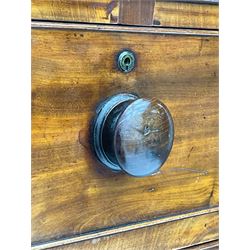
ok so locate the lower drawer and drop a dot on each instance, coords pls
(192, 231)
(72, 70)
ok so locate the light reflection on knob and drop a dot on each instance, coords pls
(132, 134)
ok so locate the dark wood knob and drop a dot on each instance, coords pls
(132, 134)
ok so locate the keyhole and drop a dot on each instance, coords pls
(126, 61)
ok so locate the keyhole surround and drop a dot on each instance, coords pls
(126, 61)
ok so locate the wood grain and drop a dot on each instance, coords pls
(173, 235)
(72, 70)
(123, 29)
(186, 15)
(193, 1)
(95, 11)
(139, 12)
(211, 245)
(125, 228)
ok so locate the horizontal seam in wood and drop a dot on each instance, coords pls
(124, 228)
(215, 241)
(205, 2)
(126, 29)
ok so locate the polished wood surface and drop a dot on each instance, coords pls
(177, 234)
(126, 228)
(210, 245)
(95, 11)
(132, 134)
(143, 137)
(72, 70)
(186, 14)
(123, 29)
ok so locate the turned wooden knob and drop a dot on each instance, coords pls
(132, 134)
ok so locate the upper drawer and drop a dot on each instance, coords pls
(201, 14)
(73, 69)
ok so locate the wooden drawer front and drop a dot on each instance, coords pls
(95, 11)
(186, 15)
(72, 70)
(189, 14)
(177, 234)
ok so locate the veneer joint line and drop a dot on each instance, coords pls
(123, 228)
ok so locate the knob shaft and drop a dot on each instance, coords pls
(132, 134)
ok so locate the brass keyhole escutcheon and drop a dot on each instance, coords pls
(126, 61)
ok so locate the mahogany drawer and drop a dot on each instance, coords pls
(202, 14)
(73, 68)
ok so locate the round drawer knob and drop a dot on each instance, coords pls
(132, 134)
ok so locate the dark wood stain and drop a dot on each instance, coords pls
(136, 12)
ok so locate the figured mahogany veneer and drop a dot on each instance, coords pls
(72, 70)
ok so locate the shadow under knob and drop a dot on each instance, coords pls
(132, 134)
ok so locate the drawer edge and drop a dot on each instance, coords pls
(124, 228)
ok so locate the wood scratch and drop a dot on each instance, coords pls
(212, 193)
(200, 171)
(190, 152)
(201, 47)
